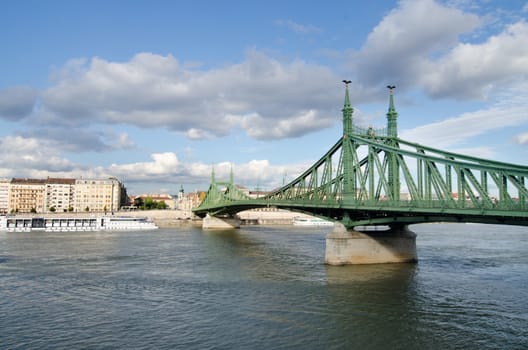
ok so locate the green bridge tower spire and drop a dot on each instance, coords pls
(392, 133)
(392, 115)
(349, 186)
(347, 112)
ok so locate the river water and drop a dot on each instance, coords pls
(261, 288)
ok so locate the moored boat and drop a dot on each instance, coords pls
(310, 221)
(75, 224)
(127, 223)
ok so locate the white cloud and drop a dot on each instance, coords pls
(484, 152)
(259, 173)
(197, 134)
(162, 164)
(297, 27)
(419, 45)
(78, 140)
(298, 125)
(471, 70)
(24, 157)
(522, 139)
(168, 169)
(510, 110)
(157, 91)
(123, 141)
(400, 47)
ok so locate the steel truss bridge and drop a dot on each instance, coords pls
(372, 177)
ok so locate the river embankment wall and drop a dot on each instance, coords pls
(172, 218)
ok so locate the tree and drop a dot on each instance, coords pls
(161, 205)
(149, 204)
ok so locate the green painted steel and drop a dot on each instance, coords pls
(372, 177)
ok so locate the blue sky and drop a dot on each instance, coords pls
(157, 92)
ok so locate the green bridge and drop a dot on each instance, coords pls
(372, 177)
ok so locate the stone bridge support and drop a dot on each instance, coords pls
(214, 222)
(344, 247)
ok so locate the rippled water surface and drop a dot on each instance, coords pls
(261, 288)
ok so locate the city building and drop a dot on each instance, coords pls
(59, 195)
(139, 200)
(98, 195)
(186, 202)
(27, 196)
(23, 195)
(4, 195)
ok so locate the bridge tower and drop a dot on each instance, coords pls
(216, 192)
(348, 246)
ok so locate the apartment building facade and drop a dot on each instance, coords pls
(20, 195)
(98, 195)
(59, 195)
(27, 195)
(4, 195)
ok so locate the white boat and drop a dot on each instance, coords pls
(310, 221)
(75, 224)
(127, 223)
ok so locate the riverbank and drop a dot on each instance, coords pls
(174, 218)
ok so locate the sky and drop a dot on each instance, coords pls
(157, 93)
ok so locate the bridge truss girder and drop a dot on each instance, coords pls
(370, 180)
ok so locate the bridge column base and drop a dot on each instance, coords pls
(346, 247)
(213, 222)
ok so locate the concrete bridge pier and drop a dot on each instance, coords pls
(345, 247)
(216, 222)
